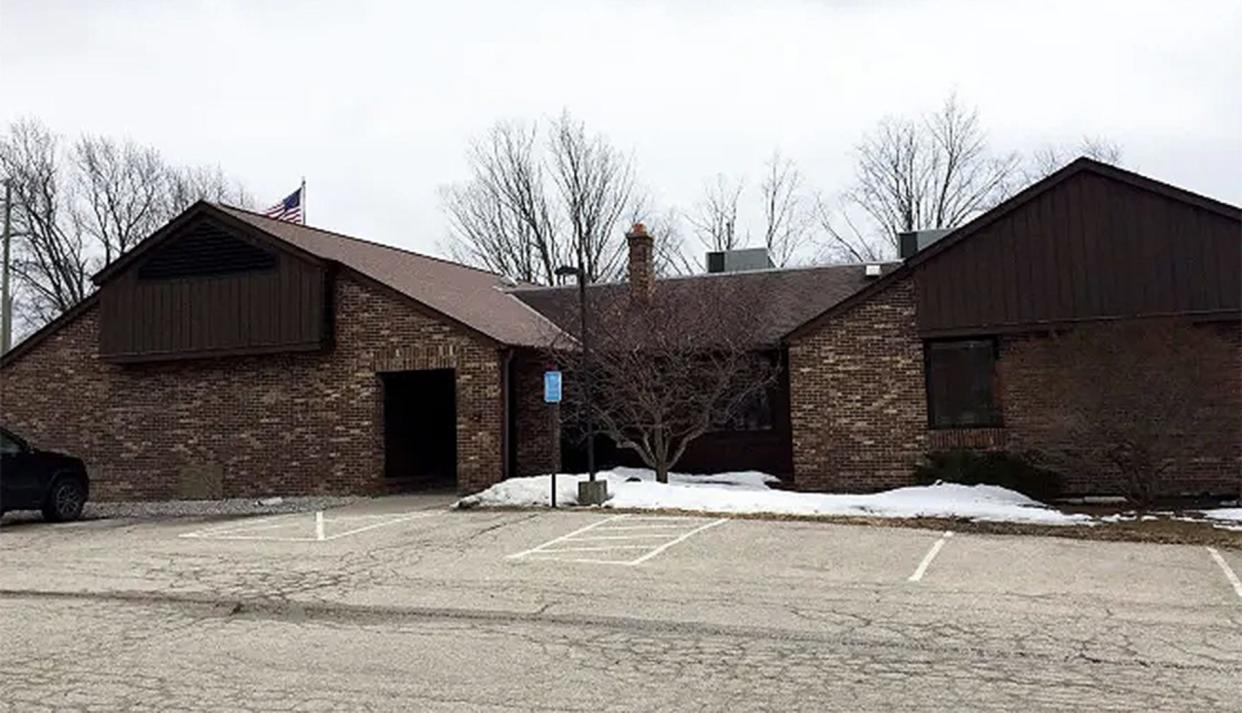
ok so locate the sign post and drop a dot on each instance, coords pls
(552, 395)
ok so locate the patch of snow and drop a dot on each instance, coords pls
(1129, 517)
(748, 492)
(1233, 515)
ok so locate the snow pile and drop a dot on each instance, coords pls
(748, 492)
(1225, 518)
(1233, 515)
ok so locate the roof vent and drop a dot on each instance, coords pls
(872, 271)
(738, 260)
(918, 240)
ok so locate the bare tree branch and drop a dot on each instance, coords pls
(667, 368)
(714, 217)
(595, 184)
(530, 207)
(121, 190)
(1049, 158)
(843, 240)
(937, 172)
(52, 261)
(786, 214)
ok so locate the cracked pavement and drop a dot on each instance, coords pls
(752, 615)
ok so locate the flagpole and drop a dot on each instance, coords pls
(303, 197)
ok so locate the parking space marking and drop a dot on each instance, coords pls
(637, 537)
(562, 538)
(667, 545)
(413, 516)
(246, 524)
(1229, 573)
(254, 529)
(931, 555)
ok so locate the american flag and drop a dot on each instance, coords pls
(290, 209)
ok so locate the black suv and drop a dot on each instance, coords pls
(31, 479)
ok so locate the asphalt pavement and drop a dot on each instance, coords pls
(401, 604)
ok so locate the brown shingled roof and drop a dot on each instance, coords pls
(473, 297)
(785, 298)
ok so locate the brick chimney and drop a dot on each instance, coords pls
(642, 266)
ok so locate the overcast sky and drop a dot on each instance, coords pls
(374, 102)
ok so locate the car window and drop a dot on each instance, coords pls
(8, 446)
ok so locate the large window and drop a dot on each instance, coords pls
(961, 383)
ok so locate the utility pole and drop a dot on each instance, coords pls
(6, 300)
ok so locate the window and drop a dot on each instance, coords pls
(960, 383)
(9, 445)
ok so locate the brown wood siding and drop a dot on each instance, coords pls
(1089, 248)
(281, 309)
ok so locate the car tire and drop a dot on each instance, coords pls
(65, 500)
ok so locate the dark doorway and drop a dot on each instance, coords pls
(420, 429)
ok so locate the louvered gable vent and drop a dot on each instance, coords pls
(205, 249)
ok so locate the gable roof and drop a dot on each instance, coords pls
(473, 297)
(1018, 200)
(783, 298)
(468, 296)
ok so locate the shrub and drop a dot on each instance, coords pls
(1016, 471)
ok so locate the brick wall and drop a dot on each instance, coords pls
(280, 424)
(537, 425)
(859, 408)
(1211, 464)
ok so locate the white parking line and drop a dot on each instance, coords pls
(651, 544)
(562, 538)
(931, 555)
(589, 549)
(1229, 573)
(416, 516)
(245, 524)
(667, 545)
(253, 529)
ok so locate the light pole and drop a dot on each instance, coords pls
(590, 492)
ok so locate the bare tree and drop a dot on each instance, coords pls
(667, 367)
(786, 213)
(121, 187)
(595, 184)
(52, 260)
(934, 172)
(531, 206)
(714, 217)
(843, 239)
(1048, 159)
(502, 219)
(185, 184)
(1132, 404)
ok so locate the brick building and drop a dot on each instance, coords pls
(945, 351)
(233, 355)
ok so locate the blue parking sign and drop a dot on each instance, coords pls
(552, 387)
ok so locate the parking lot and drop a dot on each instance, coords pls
(1034, 612)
